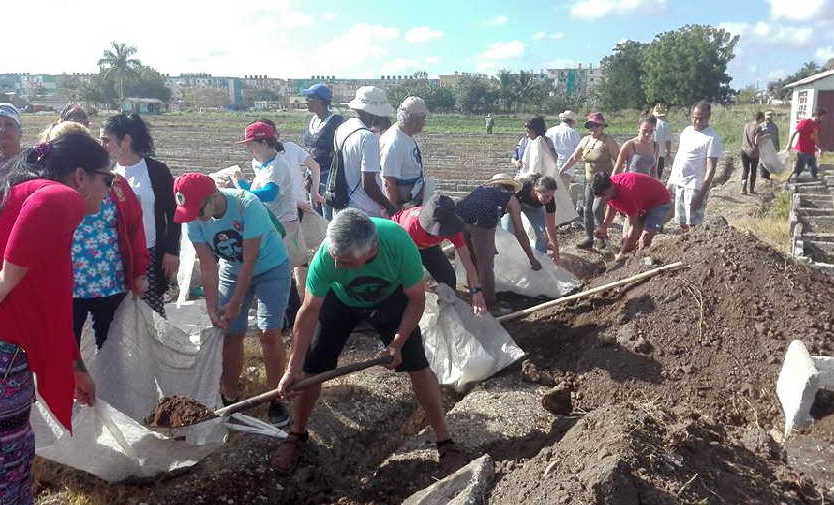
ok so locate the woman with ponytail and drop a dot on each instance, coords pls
(44, 196)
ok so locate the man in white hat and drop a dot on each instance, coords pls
(402, 164)
(663, 138)
(564, 136)
(10, 133)
(360, 152)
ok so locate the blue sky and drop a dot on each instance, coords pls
(368, 38)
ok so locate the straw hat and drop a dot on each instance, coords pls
(504, 180)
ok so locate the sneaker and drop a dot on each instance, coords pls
(585, 244)
(278, 414)
(451, 457)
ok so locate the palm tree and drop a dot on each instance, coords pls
(117, 62)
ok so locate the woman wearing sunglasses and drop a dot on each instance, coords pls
(109, 253)
(127, 139)
(43, 198)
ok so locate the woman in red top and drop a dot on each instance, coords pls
(44, 197)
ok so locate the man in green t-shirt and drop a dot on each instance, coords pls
(367, 269)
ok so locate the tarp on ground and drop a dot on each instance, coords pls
(143, 359)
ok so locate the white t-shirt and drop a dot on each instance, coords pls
(140, 181)
(279, 171)
(690, 166)
(662, 134)
(400, 158)
(296, 156)
(360, 154)
(565, 139)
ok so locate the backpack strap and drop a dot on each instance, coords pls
(359, 182)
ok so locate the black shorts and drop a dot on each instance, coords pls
(337, 321)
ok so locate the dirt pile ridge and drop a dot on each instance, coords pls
(709, 338)
(176, 412)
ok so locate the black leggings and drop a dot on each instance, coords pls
(103, 309)
(749, 165)
(438, 265)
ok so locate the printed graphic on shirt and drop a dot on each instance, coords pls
(228, 244)
(368, 289)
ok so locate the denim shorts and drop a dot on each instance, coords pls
(272, 288)
(655, 217)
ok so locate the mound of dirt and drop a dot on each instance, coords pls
(643, 454)
(709, 338)
(176, 412)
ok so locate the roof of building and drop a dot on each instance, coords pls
(811, 78)
(144, 100)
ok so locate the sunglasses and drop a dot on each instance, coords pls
(108, 177)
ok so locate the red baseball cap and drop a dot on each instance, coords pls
(258, 131)
(190, 193)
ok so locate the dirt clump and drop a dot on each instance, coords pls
(176, 412)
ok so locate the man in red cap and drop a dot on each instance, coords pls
(241, 257)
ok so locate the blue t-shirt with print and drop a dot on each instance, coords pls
(245, 218)
(97, 265)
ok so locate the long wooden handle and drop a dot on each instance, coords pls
(303, 383)
(551, 303)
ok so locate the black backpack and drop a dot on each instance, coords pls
(337, 195)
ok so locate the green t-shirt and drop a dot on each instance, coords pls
(397, 263)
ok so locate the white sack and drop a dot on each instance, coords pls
(774, 162)
(188, 272)
(538, 160)
(513, 272)
(143, 359)
(314, 228)
(463, 348)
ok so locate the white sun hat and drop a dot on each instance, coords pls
(568, 114)
(373, 101)
(414, 105)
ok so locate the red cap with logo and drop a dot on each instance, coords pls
(258, 131)
(190, 192)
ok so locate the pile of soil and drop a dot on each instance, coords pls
(709, 338)
(644, 454)
(176, 412)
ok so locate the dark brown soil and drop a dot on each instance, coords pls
(176, 412)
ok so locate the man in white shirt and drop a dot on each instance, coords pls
(694, 167)
(662, 137)
(402, 163)
(564, 136)
(360, 152)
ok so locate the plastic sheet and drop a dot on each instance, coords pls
(513, 272)
(462, 348)
(143, 359)
(773, 161)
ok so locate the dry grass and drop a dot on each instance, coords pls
(770, 224)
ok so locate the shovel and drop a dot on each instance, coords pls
(302, 384)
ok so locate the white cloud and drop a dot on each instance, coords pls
(802, 10)
(497, 21)
(431, 60)
(422, 34)
(361, 43)
(824, 54)
(595, 9)
(488, 67)
(545, 35)
(400, 65)
(329, 16)
(771, 33)
(503, 51)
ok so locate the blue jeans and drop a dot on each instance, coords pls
(803, 159)
(272, 288)
(536, 217)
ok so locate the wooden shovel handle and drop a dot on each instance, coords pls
(303, 383)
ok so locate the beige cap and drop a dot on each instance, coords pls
(568, 114)
(414, 105)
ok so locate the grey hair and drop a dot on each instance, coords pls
(351, 234)
(405, 117)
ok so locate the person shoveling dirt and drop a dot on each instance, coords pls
(176, 412)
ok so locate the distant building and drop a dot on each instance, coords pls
(344, 90)
(452, 80)
(576, 81)
(231, 85)
(811, 93)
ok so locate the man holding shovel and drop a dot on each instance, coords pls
(367, 269)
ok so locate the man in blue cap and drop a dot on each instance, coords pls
(10, 133)
(318, 137)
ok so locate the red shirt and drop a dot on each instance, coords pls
(807, 142)
(637, 193)
(409, 220)
(36, 228)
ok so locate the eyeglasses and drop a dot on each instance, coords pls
(108, 177)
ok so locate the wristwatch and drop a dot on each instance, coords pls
(472, 291)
